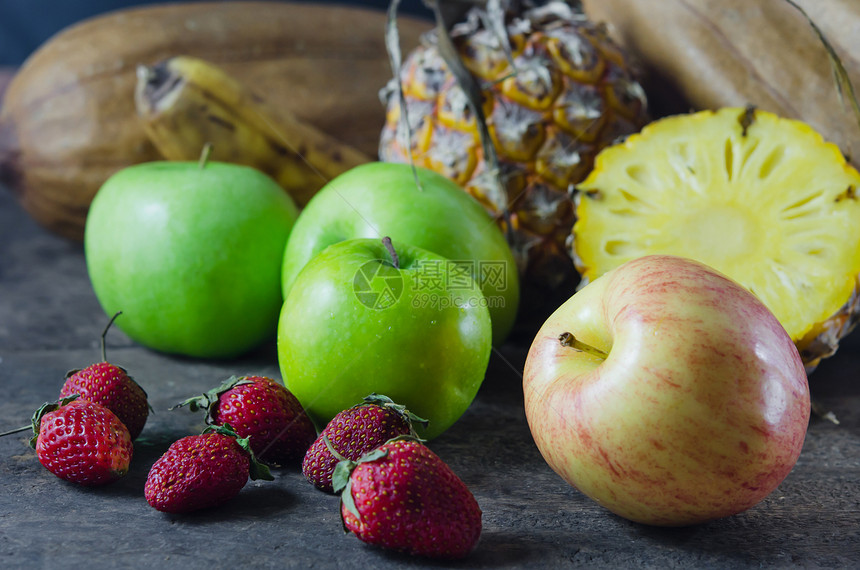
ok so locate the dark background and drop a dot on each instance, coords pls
(26, 24)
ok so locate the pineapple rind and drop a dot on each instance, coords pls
(562, 92)
(771, 205)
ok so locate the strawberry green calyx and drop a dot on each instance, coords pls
(404, 497)
(256, 470)
(209, 400)
(342, 482)
(36, 419)
(260, 408)
(341, 477)
(47, 408)
(386, 402)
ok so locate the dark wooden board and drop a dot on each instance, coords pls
(50, 322)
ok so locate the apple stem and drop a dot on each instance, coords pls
(567, 339)
(204, 155)
(104, 334)
(386, 241)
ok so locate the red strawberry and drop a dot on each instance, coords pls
(354, 432)
(82, 442)
(112, 387)
(262, 410)
(403, 497)
(201, 471)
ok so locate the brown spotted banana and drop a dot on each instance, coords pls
(186, 102)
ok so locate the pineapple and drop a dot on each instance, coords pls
(762, 199)
(555, 91)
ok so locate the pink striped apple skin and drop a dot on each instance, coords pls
(697, 411)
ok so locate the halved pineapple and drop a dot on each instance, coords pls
(762, 199)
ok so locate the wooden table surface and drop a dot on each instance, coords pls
(50, 322)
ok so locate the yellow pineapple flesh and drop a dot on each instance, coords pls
(561, 93)
(760, 198)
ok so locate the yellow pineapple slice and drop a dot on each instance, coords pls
(762, 199)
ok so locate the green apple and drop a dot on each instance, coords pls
(362, 318)
(190, 254)
(668, 393)
(382, 199)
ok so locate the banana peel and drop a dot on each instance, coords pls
(186, 103)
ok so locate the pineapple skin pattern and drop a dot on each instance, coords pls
(761, 198)
(556, 90)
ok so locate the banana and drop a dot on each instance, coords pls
(186, 102)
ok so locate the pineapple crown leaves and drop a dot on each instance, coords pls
(444, 15)
(341, 479)
(384, 401)
(209, 400)
(395, 60)
(256, 469)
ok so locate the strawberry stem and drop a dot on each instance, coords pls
(332, 450)
(104, 334)
(16, 430)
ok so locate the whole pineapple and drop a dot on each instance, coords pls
(555, 91)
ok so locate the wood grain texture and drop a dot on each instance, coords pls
(50, 322)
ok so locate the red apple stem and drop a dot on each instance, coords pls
(386, 241)
(567, 339)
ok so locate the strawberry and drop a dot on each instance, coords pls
(354, 432)
(402, 496)
(112, 387)
(262, 410)
(201, 471)
(81, 441)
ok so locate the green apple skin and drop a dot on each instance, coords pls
(191, 255)
(699, 410)
(428, 351)
(381, 199)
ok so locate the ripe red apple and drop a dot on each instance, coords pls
(667, 393)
